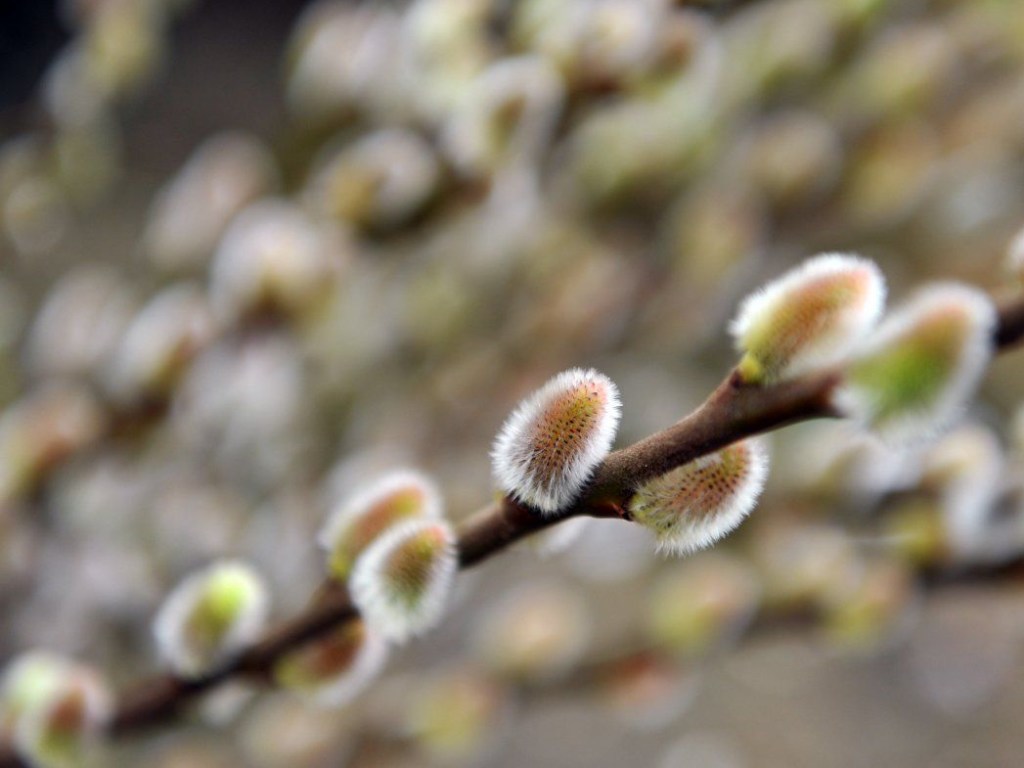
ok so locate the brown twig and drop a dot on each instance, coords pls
(732, 412)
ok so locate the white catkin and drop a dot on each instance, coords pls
(838, 329)
(686, 517)
(375, 589)
(520, 453)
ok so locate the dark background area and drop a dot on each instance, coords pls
(32, 32)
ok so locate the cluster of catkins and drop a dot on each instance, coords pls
(390, 545)
(483, 121)
(907, 378)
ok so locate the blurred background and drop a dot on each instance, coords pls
(255, 252)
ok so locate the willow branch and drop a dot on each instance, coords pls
(732, 412)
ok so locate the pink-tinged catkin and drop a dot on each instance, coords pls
(809, 319)
(695, 505)
(374, 509)
(402, 581)
(550, 445)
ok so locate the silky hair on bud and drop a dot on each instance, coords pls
(402, 581)
(917, 372)
(211, 615)
(693, 506)
(808, 319)
(373, 509)
(550, 446)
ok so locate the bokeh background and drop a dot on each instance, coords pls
(466, 197)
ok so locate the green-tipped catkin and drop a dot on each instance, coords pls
(210, 616)
(923, 364)
(808, 319)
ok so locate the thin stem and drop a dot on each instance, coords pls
(495, 527)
